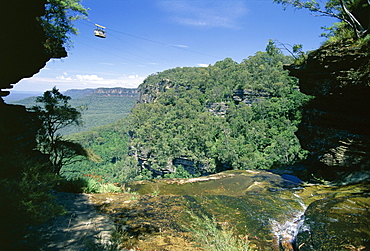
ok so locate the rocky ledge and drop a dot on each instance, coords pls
(335, 125)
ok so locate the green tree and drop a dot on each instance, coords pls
(56, 114)
(353, 14)
(58, 23)
(225, 116)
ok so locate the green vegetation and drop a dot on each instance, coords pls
(58, 23)
(109, 144)
(216, 237)
(100, 110)
(56, 113)
(256, 133)
(25, 199)
(88, 184)
(256, 130)
(353, 16)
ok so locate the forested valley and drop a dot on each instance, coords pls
(98, 107)
(225, 116)
(232, 156)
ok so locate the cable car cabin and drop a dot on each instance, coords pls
(99, 31)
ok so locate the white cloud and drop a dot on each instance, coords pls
(64, 78)
(88, 77)
(79, 81)
(205, 13)
(203, 65)
(133, 76)
(180, 45)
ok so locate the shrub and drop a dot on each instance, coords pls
(86, 185)
(109, 188)
(213, 237)
(26, 200)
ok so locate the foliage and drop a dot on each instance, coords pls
(56, 114)
(295, 50)
(26, 200)
(255, 133)
(32, 195)
(353, 15)
(179, 173)
(110, 143)
(100, 111)
(58, 23)
(213, 237)
(87, 185)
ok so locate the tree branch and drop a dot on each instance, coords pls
(355, 24)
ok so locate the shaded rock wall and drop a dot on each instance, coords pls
(335, 125)
(18, 129)
(22, 37)
(22, 55)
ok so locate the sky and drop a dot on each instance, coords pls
(149, 36)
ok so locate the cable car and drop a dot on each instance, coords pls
(99, 31)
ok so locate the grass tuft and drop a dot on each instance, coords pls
(215, 237)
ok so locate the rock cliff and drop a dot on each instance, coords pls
(103, 92)
(149, 93)
(23, 54)
(335, 125)
(22, 42)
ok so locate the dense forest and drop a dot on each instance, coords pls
(255, 130)
(225, 116)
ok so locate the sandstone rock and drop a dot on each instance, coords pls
(147, 94)
(335, 123)
(249, 96)
(336, 224)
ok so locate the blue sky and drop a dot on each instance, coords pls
(149, 36)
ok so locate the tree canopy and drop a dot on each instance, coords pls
(353, 14)
(56, 114)
(226, 116)
(58, 23)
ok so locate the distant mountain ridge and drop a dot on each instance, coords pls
(116, 91)
(104, 105)
(19, 95)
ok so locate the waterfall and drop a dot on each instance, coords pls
(287, 230)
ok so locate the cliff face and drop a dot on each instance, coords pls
(22, 55)
(103, 92)
(119, 92)
(22, 38)
(147, 94)
(335, 126)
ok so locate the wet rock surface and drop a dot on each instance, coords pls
(271, 209)
(336, 224)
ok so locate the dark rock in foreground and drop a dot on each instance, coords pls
(335, 124)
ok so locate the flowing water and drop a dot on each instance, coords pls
(275, 211)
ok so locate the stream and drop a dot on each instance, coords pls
(276, 212)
